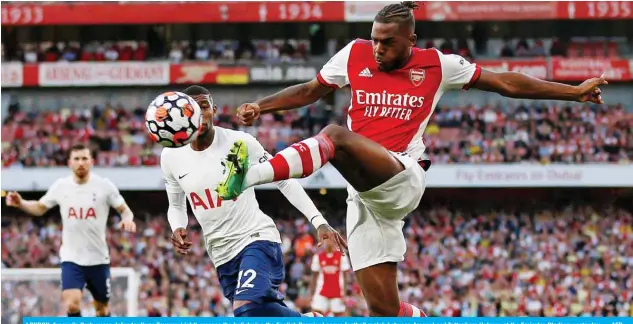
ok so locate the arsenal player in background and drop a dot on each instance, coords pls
(395, 88)
(329, 270)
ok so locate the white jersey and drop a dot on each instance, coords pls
(84, 209)
(228, 226)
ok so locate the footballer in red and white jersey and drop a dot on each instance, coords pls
(395, 88)
(396, 115)
(329, 268)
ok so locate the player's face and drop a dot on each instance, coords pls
(208, 111)
(391, 43)
(80, 162)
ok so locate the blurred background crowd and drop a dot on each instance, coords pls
(86, 72)
(534, 133)
(562, 256)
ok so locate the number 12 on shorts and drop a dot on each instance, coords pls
(249, 275)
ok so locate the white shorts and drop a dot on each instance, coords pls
(375, 217)
(325, 305)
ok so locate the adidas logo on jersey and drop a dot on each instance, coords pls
(365, 73)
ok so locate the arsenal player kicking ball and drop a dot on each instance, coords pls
(395, 88)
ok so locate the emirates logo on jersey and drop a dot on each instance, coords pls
(417, 76)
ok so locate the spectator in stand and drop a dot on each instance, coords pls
(523, 49)
(557, 48)
(538, 50)
(506, 50)
(447, 47)
(464, 51)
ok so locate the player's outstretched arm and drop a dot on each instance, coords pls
(296, 96)
(31, 207)
(519, 85)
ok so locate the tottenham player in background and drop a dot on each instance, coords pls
(242, 241)
(84, 200)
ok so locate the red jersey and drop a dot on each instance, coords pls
(330, 267)
(393, 108)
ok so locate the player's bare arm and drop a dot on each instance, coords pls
(31, 207)
(292, 97)
(519, 85)
(127, 218)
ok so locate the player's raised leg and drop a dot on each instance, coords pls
(373, 172)
(364, 163)
(73, 281)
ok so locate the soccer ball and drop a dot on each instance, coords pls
(173, 119)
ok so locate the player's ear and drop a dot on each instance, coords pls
(215, 109)
(413, 40)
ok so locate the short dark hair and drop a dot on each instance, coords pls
(400, 13)
(196, 90)
(78, 147)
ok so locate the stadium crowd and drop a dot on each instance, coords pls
(471, 134)
(290, 50)
(572, 261)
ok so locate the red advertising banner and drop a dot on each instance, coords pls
(536, 68)
(594, 10)
(207, 73)
(584, 68)
(103, 74)
(89, 13)
(489, 10)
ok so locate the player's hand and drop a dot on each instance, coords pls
(326, 232)
(248, 113)
(179, 240)
(14, 199)
(127, 225)
(589, 91)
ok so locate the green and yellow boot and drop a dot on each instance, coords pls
(235, 168)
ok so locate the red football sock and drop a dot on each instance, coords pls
(297, 161)
(408, 310)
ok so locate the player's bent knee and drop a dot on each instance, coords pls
(336, 134)
(101, 309)
(72, 299)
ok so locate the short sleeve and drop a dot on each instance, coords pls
(334, 72)
(50, 198)
(171, 185)
(256, 152)
(316, 266)
(345, 264)
(114, 196)
(457, 72)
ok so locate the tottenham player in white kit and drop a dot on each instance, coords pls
(242, 241)
(84, 200)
